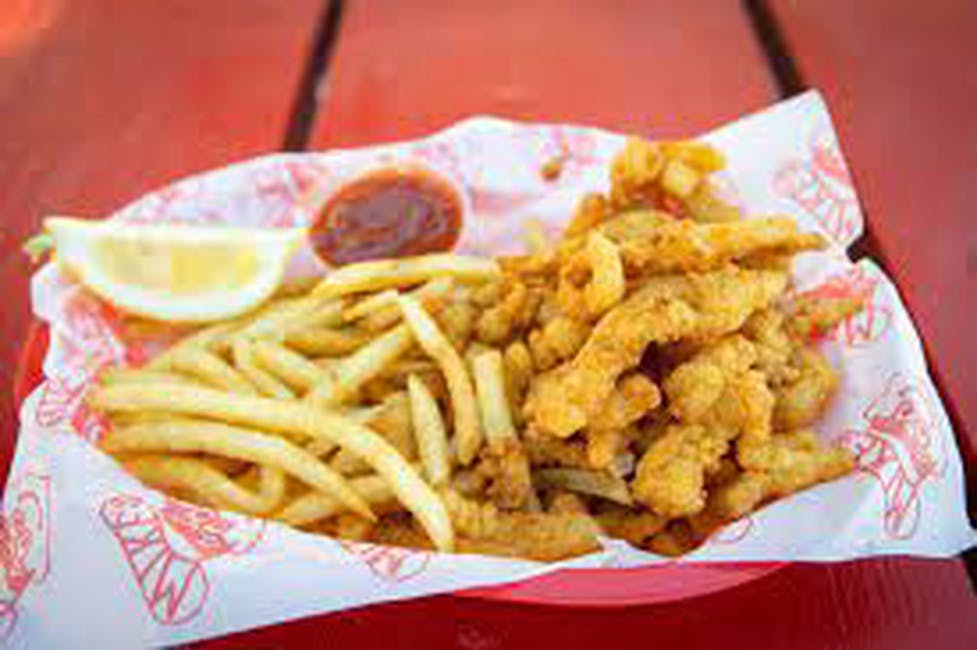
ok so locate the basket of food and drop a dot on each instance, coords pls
(533, 362)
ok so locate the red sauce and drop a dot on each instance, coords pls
(393, 212)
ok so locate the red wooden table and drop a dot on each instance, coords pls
(111, 98)
(104, 100)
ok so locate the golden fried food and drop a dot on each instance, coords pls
(670, 477)
(647, 377)
(665, 309)
(483, 528)
(802, 400)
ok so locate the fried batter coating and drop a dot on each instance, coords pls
(457, 320)
(774, 348)
(633, 397)
(670, 478)
(803, 399)
(682, 245)
(558, 340)
(545, 450)
(634, 526)
(483, 528)
(794, 461)
(810, 316)
(514, 311)
(517, 363)
(634, 225)
(677, 539)
(666, 308)
(592, 210)
(704, 205)
(635, 172)
(567, 503)
(506, 469)
(694, 386)
(734, 498)
(400, 529)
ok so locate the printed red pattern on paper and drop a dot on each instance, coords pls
(390, 563)
(285, 190)
(900, 447)
(25, 543)
(820, 185)
(92, 340)
(864, 327)
(167, 547)
(576, 148)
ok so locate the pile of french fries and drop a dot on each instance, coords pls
(393, 401)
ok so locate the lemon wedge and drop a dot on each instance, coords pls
(174, 272)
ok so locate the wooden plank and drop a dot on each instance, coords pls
(401, 70)
(898, 78)
(104, 100)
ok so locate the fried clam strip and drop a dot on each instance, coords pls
(385, 274)
(208, 483)
(198, 436)
(295, 419)
(802, 400)
(483, 528)
(468, 431)
(664, 309)
(670, 478)
(632, 397)
(811, 315)
(686, 246)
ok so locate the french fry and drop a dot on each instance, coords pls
(595, 483)
(279, 316)
(292, 368)
(321, 447)
(202, 480)
(370, 304)
(431, 294)
(432, 439)
(468, 433)
(198, 436)
(314, 506)
(202, 339)
(326, 342)
(393, 422)
(384, 274)
(264, 382)
(143, 376)
(210, 369)
(298, 420)
(351, 373)
(606, 286)
(492, 402)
